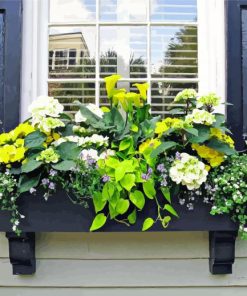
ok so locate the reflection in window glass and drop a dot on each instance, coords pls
(72, 52)
(72, 10)
(174, 10)
(123, 10)
(68, 93)
(174, 51)
(123, 50)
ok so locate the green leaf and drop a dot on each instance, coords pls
(148, 188)
(125, 144)
(27, 182)
(108, 191)
(35, 139)
(98, 202)
(122, 206)
(91, 118)
(112, 162)
(176, 111)
(166, 193)
(98, 222)
(203, 134)
(132, 217)
(165, 221)
(192, 131)
(120, 172)
(117, 119)
(171, 210)
(221, 147)
(30, 166)
(128, 181)
(137, 199)
(68, 151)
(148, 223)
(64, 165)
(220, 119)
(162, 148)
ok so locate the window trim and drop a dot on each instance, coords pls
(210, 74)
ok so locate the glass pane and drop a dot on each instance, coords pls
(174, 51)
(69, 92)
(123, 50)
(163, 93)
(123, 10)
(174, 10)
(72, 10)
(72, 52)
(244, 70)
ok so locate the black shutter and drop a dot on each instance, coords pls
(10, 62)
(237, 69)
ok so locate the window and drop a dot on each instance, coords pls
(143, 40)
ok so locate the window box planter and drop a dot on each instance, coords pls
(59, 214)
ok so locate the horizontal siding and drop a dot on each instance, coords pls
(237, 291)
(124, 273)
(122, 245)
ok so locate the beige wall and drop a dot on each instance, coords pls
(123, 264)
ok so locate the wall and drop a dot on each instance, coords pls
(123, 264)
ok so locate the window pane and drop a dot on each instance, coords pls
(163, 93)
(123, 50)
(174, 51)
(174, 10)
(72, 10)
(123, 10)
(72, 52)
(68, 93)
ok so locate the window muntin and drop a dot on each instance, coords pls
(143, 40)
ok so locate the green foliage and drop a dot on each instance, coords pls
(35, 139)
(98, 222)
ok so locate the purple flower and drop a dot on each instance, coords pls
(163, 183)
(150, 171)
(145, 177)
(52, 186)
(161, 168)
(178, 156)
(91, 161)
(45, 181)
(105, 178)
(53, 173)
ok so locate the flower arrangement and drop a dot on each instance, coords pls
(118, 158)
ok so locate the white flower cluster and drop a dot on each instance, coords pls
(200, 117)
(95, 139)
(91, 156)
(45, 111)
(93, 108)
(188, 171)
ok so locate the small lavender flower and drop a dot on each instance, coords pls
(145, 177)
(105, 178)
(178, 156)
(52, 186)
(91, 161)
(150, 171)
(163, 183)
(53, 173)
(32, 190)
(45, 181)
(161, 168)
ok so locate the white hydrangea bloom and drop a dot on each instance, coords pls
(89, 154)
(45, 106)
(188, 171)
(79, 117)
(95, 109)
(46, 124)
(107, 153)
(200, 117)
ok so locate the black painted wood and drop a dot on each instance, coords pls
(236, 66)
(10, 62)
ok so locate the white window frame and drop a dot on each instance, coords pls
(211, 51)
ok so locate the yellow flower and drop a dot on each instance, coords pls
(213, 157)
(166, 124)
(21, 131)
(142, 87)
(110, 84)
(19, 154)
(4, 138)
(105, 109)
(19, 143)
(217, 133)
(149, 143)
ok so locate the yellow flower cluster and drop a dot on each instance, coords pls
(149, 143)
(213, 157)
(217, 133)
(166, 124)
(12, 144)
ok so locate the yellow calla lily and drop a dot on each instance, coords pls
(110, 84)
(142, 87)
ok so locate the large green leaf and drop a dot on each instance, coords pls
(68, 151)
(30, 166)
(171, 210)
(220, 119)
(221, 147)
(98, 222)
(91, 118)
(35, 139)
(108, 191)
(148, 223)
(192, 131)
(128, 181)
(148, 188)
(122, 206)
(132, 217)
(138, 199)
(166, 193)
(26, 182)
(98, 202)
(64, 165)
(203, 134)
(162, 148)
